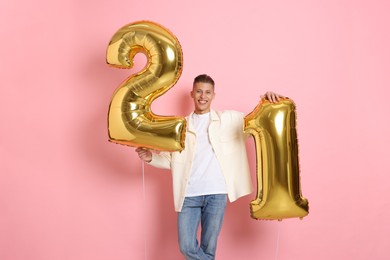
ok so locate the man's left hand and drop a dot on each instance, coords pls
(272, 96)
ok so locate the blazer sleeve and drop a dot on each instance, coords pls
(161, 160)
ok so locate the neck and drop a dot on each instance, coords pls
(201, 112)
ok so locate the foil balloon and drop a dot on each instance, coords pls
(273, 127)
(130, 119)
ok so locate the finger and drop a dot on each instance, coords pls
(272, 98)
(141, 156)
(269, 97)
(140, 149)
(142, 153)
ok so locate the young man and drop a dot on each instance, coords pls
(212, 168)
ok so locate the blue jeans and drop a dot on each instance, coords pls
(207, 210)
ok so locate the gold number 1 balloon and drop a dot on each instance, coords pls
(130, 119)
(278, 182)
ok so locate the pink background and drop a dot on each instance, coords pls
(67, 193)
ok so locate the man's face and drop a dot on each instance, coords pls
(202, 94)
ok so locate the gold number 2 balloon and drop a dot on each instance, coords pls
(278, 182)
(130, 119)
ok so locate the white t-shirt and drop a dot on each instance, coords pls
(206, 175)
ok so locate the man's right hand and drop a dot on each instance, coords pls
(144, 154)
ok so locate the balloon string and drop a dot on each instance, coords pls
(277, 242)
(144, 199)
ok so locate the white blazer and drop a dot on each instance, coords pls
(228, 141)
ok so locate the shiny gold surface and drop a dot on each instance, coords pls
(272, 126)
(130, 119)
